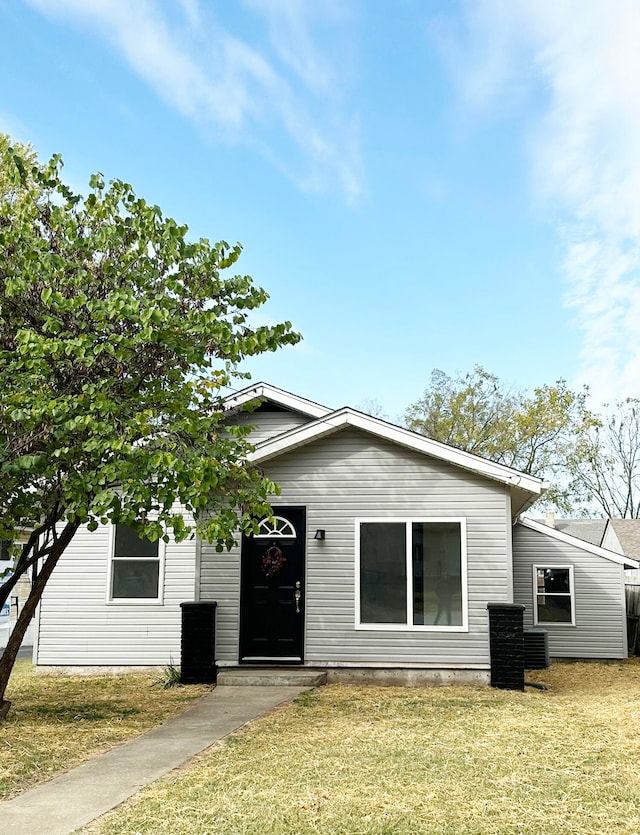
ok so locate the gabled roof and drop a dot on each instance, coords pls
(628, 534)
(525, 489)
(554, 533)
(264, 391)
(591, 530)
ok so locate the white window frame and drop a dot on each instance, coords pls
(411, 627)
(571, 594)
(134, 601)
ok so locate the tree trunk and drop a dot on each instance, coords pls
(29, 553)
(28, 610)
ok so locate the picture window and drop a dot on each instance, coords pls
(412, 574)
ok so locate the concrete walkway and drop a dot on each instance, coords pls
(76, 798)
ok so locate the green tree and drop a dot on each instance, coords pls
(10, 176)
(604, 463)
(117, 338)
(533, 433)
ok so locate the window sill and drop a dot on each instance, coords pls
(555, 623)
(403, 627)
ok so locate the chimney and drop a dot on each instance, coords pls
(550, 520)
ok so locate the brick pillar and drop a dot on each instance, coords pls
(506, 645)
(198, 643)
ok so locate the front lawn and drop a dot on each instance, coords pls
(57, 722)
(450, 760)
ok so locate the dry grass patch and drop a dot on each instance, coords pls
(455, 761)
(57, 722)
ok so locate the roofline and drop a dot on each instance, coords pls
(346, 416)
(627, 562)
(611, 520)
(276, 395)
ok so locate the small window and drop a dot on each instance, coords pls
(4, 551)
(135, 567)
(275, 527)
(553, 594)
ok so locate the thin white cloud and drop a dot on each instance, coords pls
(242, 92)
(289, 23)
(578, 62)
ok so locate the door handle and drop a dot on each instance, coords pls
(298, 595)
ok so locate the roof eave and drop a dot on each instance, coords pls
(265, 391)
(350, 417)
(554, 533)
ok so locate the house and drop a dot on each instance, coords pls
(623, 537)
(13, 606)
(382, 553)
(591, 530)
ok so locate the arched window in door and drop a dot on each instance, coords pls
(275, 527)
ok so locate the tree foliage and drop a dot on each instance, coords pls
(11, 179)
(533, 433)
(117, 337)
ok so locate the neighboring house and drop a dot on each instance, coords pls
(591, 530)
(12, 608)
(382, 554)
(623, 537)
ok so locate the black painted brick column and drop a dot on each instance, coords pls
(198, 643)
(506, 645)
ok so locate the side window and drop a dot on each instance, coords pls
(553, 594)
(135, 566)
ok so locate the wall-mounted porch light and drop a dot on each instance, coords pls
(319, 533)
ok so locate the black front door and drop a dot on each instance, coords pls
(272, 589)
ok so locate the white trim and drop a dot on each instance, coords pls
(411, 627)
(460, 666)
(198, 566)
(509, 531)
(623, 611)
(135, 601)
(554, 533)
(571, 594)
(344, 417)
(264, 391)
(271, 658)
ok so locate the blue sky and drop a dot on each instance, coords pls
(418, 184)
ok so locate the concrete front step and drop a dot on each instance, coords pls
(271, 676)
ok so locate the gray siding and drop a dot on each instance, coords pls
(77, 626)
(268, 421)
(349, 475)
(600, 630)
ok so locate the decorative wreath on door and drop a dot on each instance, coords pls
(272, 561)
